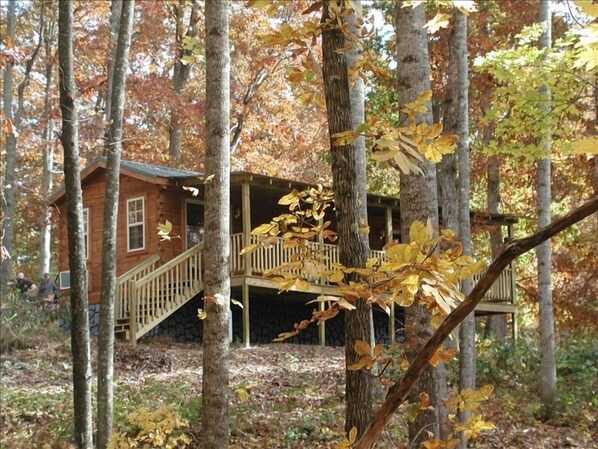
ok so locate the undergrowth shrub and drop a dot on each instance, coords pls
(507, 365)
(147, 429)
(27, 323)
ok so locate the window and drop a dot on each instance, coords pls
(86, 232)
(135, 224)
(64, 280)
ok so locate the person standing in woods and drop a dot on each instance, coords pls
(47, 289)
(25, 286)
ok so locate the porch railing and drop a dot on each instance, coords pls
(264, 259)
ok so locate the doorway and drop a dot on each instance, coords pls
(195, 226)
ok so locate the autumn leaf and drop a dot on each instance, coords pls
(587, 146)
(242, 394)
(440, 20)
(349, 440)
(164, 230)
(442, 355)
(201, 314)
(344, 138)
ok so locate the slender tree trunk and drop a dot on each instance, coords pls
(458, 80)
(9, 163)
(344, 108)
(115, 16)
(74, 214)
(419, 201)
(496, 325)
(181, 72)
(548, 386)
(48, 152)
(109, 233)
(215, 421)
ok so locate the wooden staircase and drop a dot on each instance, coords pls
(147, 295)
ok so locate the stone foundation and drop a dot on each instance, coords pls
(269, 316)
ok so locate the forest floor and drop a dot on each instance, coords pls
(294, 399)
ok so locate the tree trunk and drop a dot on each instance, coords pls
(344, 108)
(48, 154)
(115, 16)
(215, 421)
(419, 201)
(549, 395)
(74, 215)
(496, 325)
(9, 165)
(458, 81)
(109, 233)
(181, 73)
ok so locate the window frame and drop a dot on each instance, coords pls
(141, 223)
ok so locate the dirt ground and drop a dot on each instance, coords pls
(294, 399)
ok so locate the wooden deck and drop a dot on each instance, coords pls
(148, 294)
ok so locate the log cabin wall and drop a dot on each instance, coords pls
(160, 203)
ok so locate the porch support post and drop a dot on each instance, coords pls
(246, 210)
(391, 318)
(246, 207)
(321, 307)
(246, 328)
(513, 287)
(321, 327)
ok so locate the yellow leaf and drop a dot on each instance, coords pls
(264, 229)
(209, 179)
(249, 248)
(344, 138)
(418, 233)
(587, 146)
(306, 98)
(440, 20)
(301, 284)
(201, 314)
(589, 7)
(344, 304)
(242, 394)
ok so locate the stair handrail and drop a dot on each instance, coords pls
(135, 286)
(122, 292)
(168, 265)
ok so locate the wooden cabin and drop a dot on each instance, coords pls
(160, 279)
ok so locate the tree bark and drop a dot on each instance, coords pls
(109, 232)
(398, 392)
(181, 72)
(74, 214)
(419, 201)
(496, 325)
(48, 152)
(344, 108)
(215, 421)
(458, 79)
(9, 165)
(548, 387)
(115, 16)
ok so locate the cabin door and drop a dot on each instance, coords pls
(195, 228)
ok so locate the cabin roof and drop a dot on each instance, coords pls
(157, 174)
(157, 171)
